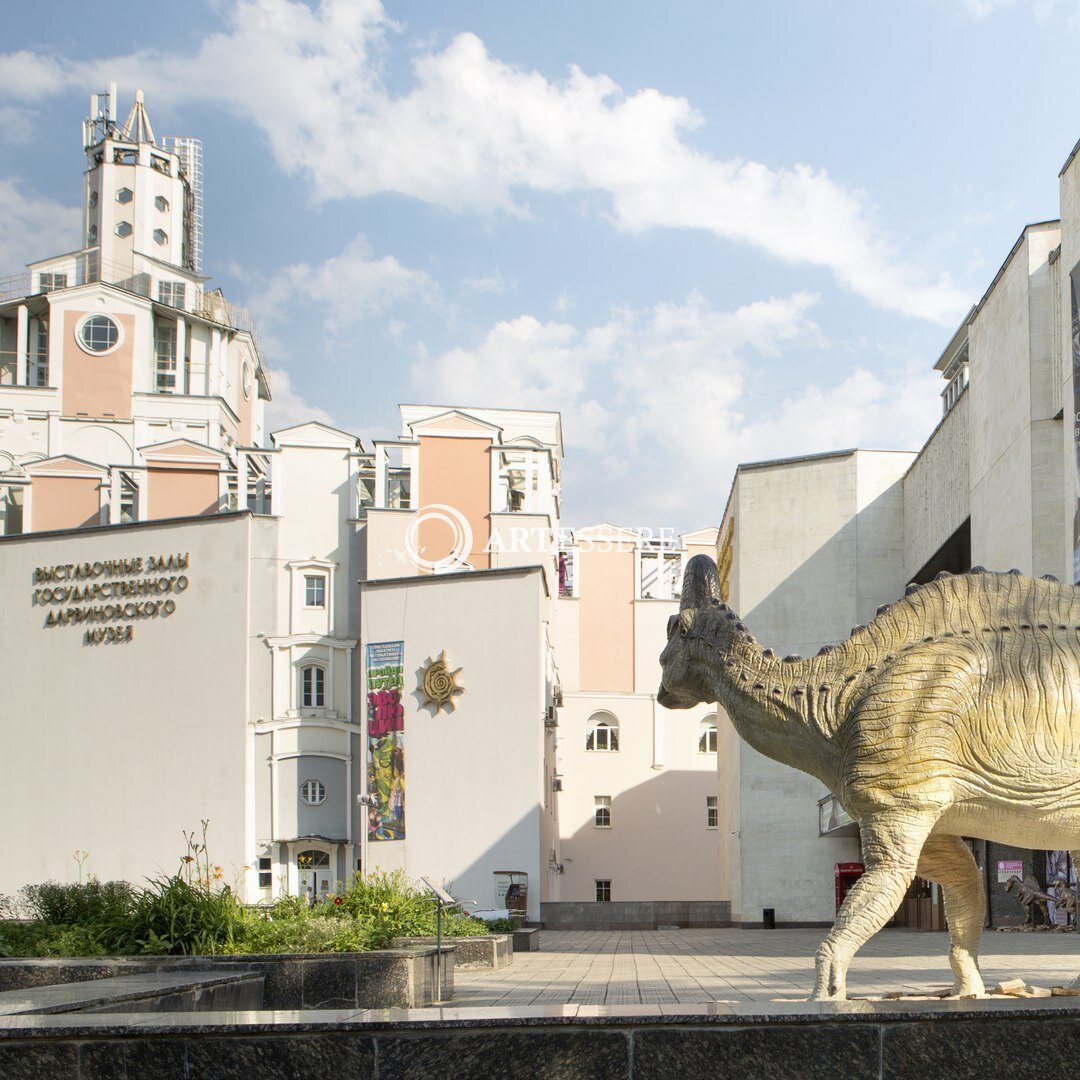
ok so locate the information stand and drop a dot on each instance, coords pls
(443, 902)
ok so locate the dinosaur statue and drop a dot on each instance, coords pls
(1031, 897)
(1065, 898)
(956, 712)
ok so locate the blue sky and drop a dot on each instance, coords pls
(706, 232)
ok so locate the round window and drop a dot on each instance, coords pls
(313, 792)
(98, 334)
(245, 378)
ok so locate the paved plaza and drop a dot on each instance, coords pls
(661, 967)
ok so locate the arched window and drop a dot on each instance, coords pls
(602, 732)
(313, 686)
(707, 735)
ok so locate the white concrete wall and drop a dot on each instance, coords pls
(474, 778)
(819, 546)
(937, 489)
(115, 749)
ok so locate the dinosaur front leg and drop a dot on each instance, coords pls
(1075, 984)
(891, 843)
(948, 861)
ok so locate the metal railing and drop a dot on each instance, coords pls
(86, 267)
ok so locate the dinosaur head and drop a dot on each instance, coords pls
(697, 638)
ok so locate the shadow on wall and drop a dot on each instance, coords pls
(471, 880)
(840, 585)
(658, 846)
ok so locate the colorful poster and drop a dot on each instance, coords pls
(1075, 336)
(386, 740)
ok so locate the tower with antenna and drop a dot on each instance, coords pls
(142, 199)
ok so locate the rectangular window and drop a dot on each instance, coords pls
(11, 510)
(171, 293)
(660, 572)
(266, 880)
(313, 695)
(47, 282)
(165, 357)
(603, 891)
(314, 590)
(366, 487)
(39, 367)
(399, 482)
(602, 812)
(712, 813)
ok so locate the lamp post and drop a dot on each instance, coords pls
(364, 799)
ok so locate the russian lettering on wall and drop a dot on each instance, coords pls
(110, 596)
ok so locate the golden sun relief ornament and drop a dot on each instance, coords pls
(439, 684)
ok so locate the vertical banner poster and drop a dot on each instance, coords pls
(386, 740)
(1075, 336)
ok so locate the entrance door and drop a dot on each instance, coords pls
(313, 874)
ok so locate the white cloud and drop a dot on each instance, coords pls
(288, 407)
(32, 227)
(661, 395)
(342, 291)
(1042, 10)
(497, 284)
(472, 133)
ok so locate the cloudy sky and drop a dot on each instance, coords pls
(705, 232)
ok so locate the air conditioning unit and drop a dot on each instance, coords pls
(549, 716)
(556, 783)
(556, 697)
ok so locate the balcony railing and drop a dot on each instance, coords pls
(86, 267)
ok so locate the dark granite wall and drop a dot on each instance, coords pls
(635, 915)
(802, 1041)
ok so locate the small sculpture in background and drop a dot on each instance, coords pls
(1031, 897)
(1065, 898)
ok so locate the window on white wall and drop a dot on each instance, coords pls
(314, 590)
(313, 687)
(712, 812)
(602, 733)
(603, 890)
(602, 812)
(707, 736)
(165, 357)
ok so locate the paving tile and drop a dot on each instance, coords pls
(688, 966)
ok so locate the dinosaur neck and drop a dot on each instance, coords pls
(778, 708)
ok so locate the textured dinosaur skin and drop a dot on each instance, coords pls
(956, 712)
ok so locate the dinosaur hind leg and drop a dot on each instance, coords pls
(948, 861)
(891, 843)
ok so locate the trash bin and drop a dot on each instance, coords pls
(768, 918)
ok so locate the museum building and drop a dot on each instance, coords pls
(810, 547)
(206, 623)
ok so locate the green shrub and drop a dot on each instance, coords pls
(43, 939)
(189, 914)
(80, 904)
(500, 926)
(171, 916)
(291, 925)
(395, 908)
